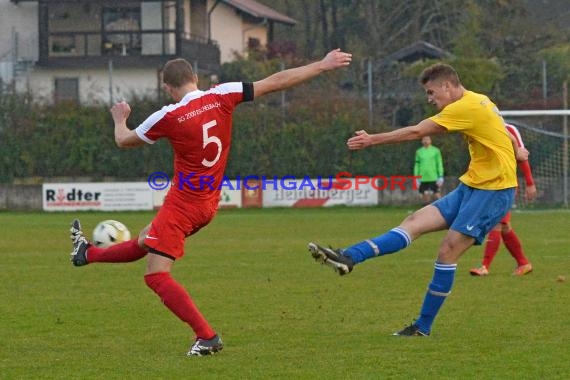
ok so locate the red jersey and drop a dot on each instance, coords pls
(199, 128)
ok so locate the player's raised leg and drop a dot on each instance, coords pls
(334, 258)
(86, 253)
(427, 219)
(125, 252)
(79, 244)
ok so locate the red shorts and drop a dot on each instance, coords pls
(172, 224)
(506, 219)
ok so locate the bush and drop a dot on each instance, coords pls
(304, 137)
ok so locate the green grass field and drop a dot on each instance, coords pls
(281, 315)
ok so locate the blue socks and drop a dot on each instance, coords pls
(393, 241)
(390, 242)
(438, 290)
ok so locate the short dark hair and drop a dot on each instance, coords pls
(177, 72)
(440, 71)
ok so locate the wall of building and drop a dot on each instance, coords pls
(94, 83)
(23, 19)
(198, 18)
(227, 30)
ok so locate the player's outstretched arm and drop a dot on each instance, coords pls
(124, 137)
(292, 77)
(424, 128)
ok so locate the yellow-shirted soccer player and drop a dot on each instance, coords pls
(469, 212)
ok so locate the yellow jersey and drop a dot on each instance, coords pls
(493, 163)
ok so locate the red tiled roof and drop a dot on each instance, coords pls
(258, 10)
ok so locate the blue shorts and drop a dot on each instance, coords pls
(474, 212)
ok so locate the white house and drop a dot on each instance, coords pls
(103, 50)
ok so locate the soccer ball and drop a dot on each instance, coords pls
(110, 232)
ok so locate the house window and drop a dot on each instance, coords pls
(62, 45)
(66, 90)
(253, 43)
(121, 26)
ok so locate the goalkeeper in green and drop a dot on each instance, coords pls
(429, 165)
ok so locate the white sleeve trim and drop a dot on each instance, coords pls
(140, 133)
(150, 121)
(227, 88)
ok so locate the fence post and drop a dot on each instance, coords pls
(283, 97)
(544, 84)
(111, 98)
(565, 142)
(370, 94)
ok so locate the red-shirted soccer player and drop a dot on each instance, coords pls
(504, 230)
(198, 126)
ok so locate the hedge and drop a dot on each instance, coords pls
(307, 137)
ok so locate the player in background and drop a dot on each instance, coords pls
(198, 126)
(504, 230)
(484, 195)
(428, 165)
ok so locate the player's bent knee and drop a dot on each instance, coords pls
(452, 247)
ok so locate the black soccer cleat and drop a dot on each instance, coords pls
(80, 244)
(334, 258)
(411, 330)
(203, 347)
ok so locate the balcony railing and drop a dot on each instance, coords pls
(198, 39)
(111, 43)
(94, 49)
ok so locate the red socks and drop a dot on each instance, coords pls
(177, 299)
(170, 292)
(513, 244)
(491, 247)
(120, 253)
